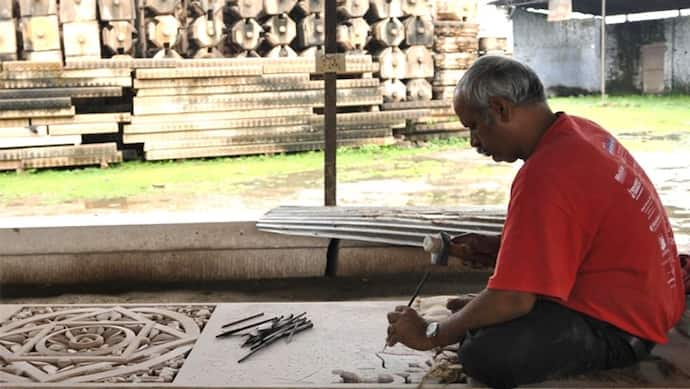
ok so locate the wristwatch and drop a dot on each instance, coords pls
(432, 329)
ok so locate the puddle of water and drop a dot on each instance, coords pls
(111, 203)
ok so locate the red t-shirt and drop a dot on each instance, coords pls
(585, 226)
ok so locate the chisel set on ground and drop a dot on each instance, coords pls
(262, 333)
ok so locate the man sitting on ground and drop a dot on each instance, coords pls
(587, 275)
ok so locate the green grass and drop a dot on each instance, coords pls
(655, 115)
(658, 114)
(218, 175)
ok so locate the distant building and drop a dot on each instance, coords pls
(650, 56)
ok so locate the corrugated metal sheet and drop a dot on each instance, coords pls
(405, 226)
(613, 7)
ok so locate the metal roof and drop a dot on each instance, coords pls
(613, 7)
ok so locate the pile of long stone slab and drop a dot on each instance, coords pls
(440, 122)
(39, 125)
(182, 108)
(455, 43)
(218, 107)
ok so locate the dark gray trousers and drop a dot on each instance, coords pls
(549, 342)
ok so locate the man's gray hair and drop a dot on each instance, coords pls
(496, 76)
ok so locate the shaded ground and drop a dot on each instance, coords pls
(297, 289)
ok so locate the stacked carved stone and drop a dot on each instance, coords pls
(353, 32)
(80, 29)
(279, 31)
(8, 28)
(400, 46)
(205, 28)
(493, 46)
(311, 30)
(397, 33)
(117, 18)
(38, 25)
(244, 31)
(40, 122)
(163, 22)
(455, 43)
(449, 29)
(270, 35)
(388, 33)
(419, 38)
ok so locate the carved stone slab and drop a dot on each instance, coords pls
(463, 10)
(382, 9)
(163, 31)
(98, 344)
(279, 30)
(353, 8)
(246, 34)
(311, 31)
(276, 7)
(420, 62)
(116, 9)
(8, 39)
(416, 7)
(39, 33)
(77, 11)
(37, 7)
(81, 39)
(419, 30)
(281, 51)
(419, 89)
(310, 6)
(393, 91)
(393, 63)
(161, 7)
(208, 33)
(117, 37)
(389, 32)
(246, 8)
(353, 35)
(6, 9)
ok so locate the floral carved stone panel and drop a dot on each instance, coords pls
(99, 344)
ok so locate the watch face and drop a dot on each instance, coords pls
(432, 329)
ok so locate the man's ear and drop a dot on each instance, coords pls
(501, 107)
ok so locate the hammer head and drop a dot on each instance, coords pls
(437, 245)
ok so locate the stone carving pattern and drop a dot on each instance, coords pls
(99, 344)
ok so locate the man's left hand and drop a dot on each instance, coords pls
(407, 327)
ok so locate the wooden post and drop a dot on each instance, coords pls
(330, 124)
(330, 109)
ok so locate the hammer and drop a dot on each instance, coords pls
(438, 245)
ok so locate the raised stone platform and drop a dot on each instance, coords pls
(160, 248)
(175, 345)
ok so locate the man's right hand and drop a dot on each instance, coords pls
(476, 250)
